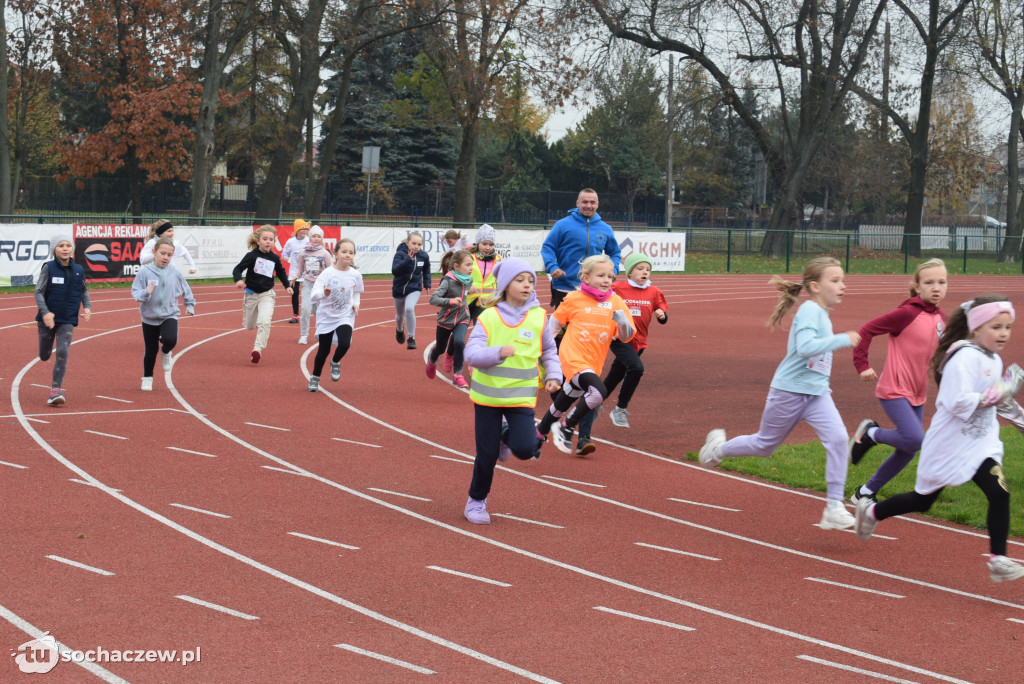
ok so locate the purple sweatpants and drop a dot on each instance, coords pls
(782, 411)
(906, 438)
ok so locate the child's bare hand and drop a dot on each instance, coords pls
(86, 314)
(659, 314)
(456, 301)
(854, 338)
(327, 292)
(191, 271)
(507, 351)
(355, 309)
(48, 319)
(240, 284)
(552, 385)
(869, 375)
(288, 290)
(150, 288)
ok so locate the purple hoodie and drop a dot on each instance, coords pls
(479, 354)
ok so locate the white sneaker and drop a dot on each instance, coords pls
(562, 437)
(1002, 569)
(335, 371)
(303, 340)
(620, 417)
(836, 517)
(476, 512)
(147, 384)
(711, 453)
(166, 360)
(865, 522)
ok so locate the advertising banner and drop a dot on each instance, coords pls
(24, 248)
(109, 252)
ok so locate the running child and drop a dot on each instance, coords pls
(260, 265)
(592, 315)
(157, 287)
(646, 302)
(485, 259)
(336, 291)
(162, 228)
(914, 329)
(60, 292)
(506, 347)
(962, 442)
(411, 269)
(454, 241)
(296, 243)
(307, 264)
(800, 389)
(453, 318)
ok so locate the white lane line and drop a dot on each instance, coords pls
(352, 441)
(76, 480)
(189, 451)
(564, 479)
(105, 434)
(284, 470)
(324, 541)
(449, 458)
(83, 566)
(123, 401)
(850, 668)
(706, 505)
(682, 553)
(527, 520)
(468, 576)
(852, 531)
(200, 510)
(14, 465)
(269, 427)
(388, 491)
(214, 606)
(36, 633)
(29, 416)
(642, 618)
(1016, 620)
(45, 387)
(854, 587)
(386, 659)
(35, 420)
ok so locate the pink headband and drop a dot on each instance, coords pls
(983, 313)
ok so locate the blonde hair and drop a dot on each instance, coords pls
(931, 263)
(591, 261)
(163, 241)
(253, 240)
(156, 226)
(411, 234)
(789, 291)
(343, 240)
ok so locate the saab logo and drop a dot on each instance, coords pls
(38, 656)
(25, 250)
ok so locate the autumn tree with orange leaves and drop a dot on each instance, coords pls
(130, 96)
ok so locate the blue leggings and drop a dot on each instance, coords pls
(907, 438)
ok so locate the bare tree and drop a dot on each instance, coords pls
(999, 32)
(5, 139)
(810, 52)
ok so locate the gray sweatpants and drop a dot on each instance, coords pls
(61, 333)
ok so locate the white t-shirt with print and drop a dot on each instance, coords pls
(336, 308)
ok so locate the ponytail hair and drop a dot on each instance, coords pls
(161, 225)
(957, 329)
(789, 291)
(452, 259)
(253, 239)
(931, 263)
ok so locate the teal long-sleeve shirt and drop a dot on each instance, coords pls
(808, 363)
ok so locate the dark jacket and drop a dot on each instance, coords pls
(61, 290)
(411, 274)
(255, 281)
(448, 289)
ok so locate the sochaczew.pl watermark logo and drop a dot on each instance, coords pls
(40, 655)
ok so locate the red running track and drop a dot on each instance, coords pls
(320, 536)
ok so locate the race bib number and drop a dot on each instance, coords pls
(57, 280)
(312, 265)
(526, 334)
(821, 364)
(604, 305)
(264, 267)
(634, 312)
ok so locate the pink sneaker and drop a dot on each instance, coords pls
(449, 363)
(431, 370)
(460, 381)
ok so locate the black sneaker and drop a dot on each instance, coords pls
(584, 446)
(411, 343)
(861, 443)
(399, 336)
(857, 496)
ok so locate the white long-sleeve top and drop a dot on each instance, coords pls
(961, 435)
(146, 256)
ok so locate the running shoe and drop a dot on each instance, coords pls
(166, 360)
(861, 443)
(335, 371)
(476, 512)
(1002, 569)
(562, 437)
(711, 453)
(56, 397)
(836, 517)
(620, 417)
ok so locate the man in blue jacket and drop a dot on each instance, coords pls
(580, 234)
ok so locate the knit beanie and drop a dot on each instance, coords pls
(59, 238)
(485, 233)
(300, 224)
(636, 258)
(506, 271)
(316, 230)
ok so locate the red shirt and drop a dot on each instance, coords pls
(641, 303)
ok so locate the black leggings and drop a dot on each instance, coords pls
(344, 333)
(296, 288)
(153, 336)
(990, 481)
(587, 385)
(453, 341)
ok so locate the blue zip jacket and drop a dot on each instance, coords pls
(410, 274)
(162, 303)
(61, 290)
(572, 240)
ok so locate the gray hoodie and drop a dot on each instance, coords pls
(163, 302)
